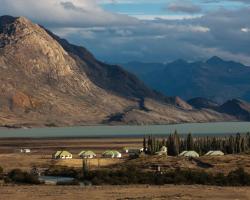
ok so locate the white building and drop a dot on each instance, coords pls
(112, 154)
(87, 154)
(25, 151)
(214, 153)
(62, 155)
(190, 154)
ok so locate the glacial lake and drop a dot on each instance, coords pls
(220, 128)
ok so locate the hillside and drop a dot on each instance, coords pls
(214, 79)
(46, 81)
(236, 107)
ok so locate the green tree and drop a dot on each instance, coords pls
(190, 142)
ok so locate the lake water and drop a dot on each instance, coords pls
(55, 179)
(122, 131)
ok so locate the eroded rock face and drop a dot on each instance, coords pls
(46, 80)
(21, 100)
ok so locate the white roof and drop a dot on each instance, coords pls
(215, 153)
(192, 154)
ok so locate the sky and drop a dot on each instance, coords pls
(118, 31)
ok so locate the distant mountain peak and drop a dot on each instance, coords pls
(180, 61)
(214, 60)
(201, 102)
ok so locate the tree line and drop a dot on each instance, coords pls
(238, 143)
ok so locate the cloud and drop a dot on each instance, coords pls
(71, 13)
(184, 7)
(218, 1)
(216, 33)
(153, 37)
(245, 30)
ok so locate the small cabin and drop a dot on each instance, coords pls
(190, 154)
(112, 154)
(163, 151)
(132, 150)
(62, 155)
(214, 153)
(87, 154)
(25, 151)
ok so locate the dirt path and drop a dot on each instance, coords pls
(170, 192)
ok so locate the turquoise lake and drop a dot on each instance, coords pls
(123, 131)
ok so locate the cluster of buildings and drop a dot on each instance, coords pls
(130, 151)
(86, 154)
(194, 154)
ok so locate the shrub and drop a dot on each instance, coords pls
(238, 178)
(18, 176)
(1, 173)
(124, 176)
(74, 182)
(62, 171)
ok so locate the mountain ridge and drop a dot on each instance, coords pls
(214, 79)
(47, 81)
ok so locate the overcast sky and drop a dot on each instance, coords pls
(145, 30)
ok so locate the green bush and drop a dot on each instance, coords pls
(74, 182)
(62, 171)
(127, 176)
(1, 173)
(18, 176)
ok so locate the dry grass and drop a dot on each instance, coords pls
(134, 192)
(213, 164)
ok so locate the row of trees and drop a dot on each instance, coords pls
(176, 144)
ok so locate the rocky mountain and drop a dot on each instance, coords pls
(214, 79)
(46, 81)
(200, 103)
(235, 107)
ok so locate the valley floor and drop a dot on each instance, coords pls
(133, 192)
(42, 150)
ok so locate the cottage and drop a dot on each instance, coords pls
(112, 154)
(163, 151)
(62, 155)
(132, 150)
(87, 154)
(191, 154)
(214, 153)
(25, 151)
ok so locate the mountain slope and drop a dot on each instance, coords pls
(237, 107)
(200, 103)
(44, 80)
(214, 79)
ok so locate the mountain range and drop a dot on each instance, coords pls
(214, 79)
(46, 81)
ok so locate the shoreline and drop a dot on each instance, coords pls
(27, 127)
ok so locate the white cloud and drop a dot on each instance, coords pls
(245, 30)
(117, 37)
(70, 13)
(186, 6)
(166, 17)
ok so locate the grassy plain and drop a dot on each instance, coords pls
(42, 149)
(11, 158)
(133, 192)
